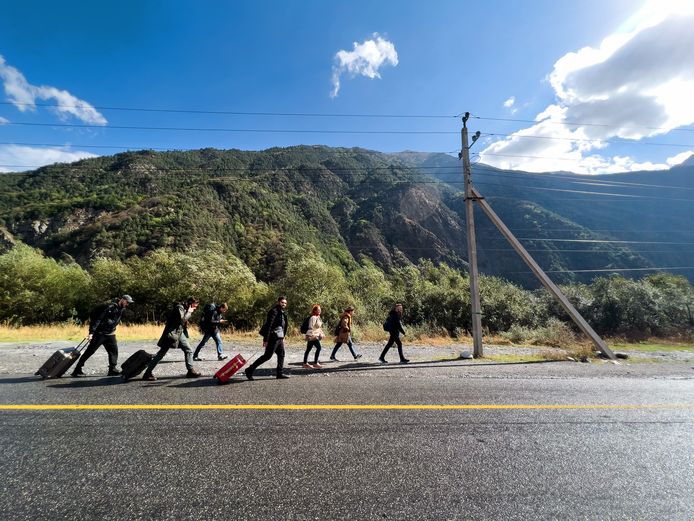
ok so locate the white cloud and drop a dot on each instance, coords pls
(3, 120)
(679, 158)
(24, 95)
(365, 60)
(17, 158)
(637, 83)
(510, 102)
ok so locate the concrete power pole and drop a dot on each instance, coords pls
(478, 349)
(472, 195)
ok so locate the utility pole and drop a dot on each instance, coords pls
(472, 195)
(478, 349)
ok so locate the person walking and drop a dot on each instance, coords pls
(344, 334)
(314, 334)
(175, 334)
(103, 321)
(213, 317)
(394, 327)
(274, 330)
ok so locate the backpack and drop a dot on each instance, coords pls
(387, 326)
(304, 325)
(207, 313)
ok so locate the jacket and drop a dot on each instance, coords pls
(315, 328)
(395, 324)
(215, 320)
(105, 318)
(276, 319)
(176, 325)
(345, 328)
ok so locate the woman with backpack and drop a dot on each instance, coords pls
(393, 325)
(313, 330)
(343, 334)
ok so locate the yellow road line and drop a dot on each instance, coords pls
(330, 407)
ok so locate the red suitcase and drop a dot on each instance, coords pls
(229, 369)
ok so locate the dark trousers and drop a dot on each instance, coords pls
(394, 339)
(274, 346)
(310, 345)
(110, 344)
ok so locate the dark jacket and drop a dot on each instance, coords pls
(104, 318)
(395, 324)
(176, 325)
(276, 318)
(211, 325)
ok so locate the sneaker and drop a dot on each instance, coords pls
(334, 359)
(307, 366)
(77, 373)
(149, 377)
(382, 360)
(282, 376)
(192, 373)
(316, 365)
(197, 359)
(222, 357)
(114, 372)
(249, 374)
(404, 361)
(358, 356)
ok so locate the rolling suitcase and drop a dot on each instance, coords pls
(60, 361)
(135, 364)
(229, 369)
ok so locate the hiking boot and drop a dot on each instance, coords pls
(334, 359)
(192, 373)
(113, 372)
(149, 377)
(222, 357)
(249, 374)
(197, 359)
(404, 361)
(382, 361)
(78, 372)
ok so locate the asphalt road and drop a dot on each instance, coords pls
(628, 455)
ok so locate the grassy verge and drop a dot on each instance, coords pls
(654, 346)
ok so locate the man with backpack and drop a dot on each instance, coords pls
(212, 318)
(103, 321)
(175, 334)
(274, 330)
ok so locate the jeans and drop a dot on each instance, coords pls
(110, 344)
(394, 339)
(187, 351)
(217, 340)
(274, 345)
(339, 344)
(310, 345)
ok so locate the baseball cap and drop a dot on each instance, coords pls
(127, 298)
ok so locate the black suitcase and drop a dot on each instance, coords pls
(60, 361)
(135, 364)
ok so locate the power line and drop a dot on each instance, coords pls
(580, 124)
(235, 113)
(239, 130)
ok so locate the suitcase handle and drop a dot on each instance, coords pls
(83, 343)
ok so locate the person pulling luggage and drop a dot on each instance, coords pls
(213, 317)
(274, 330)
(175, 334)
(103, 321)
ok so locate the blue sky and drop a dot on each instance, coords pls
(584, 62)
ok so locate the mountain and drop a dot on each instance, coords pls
(344, 204)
